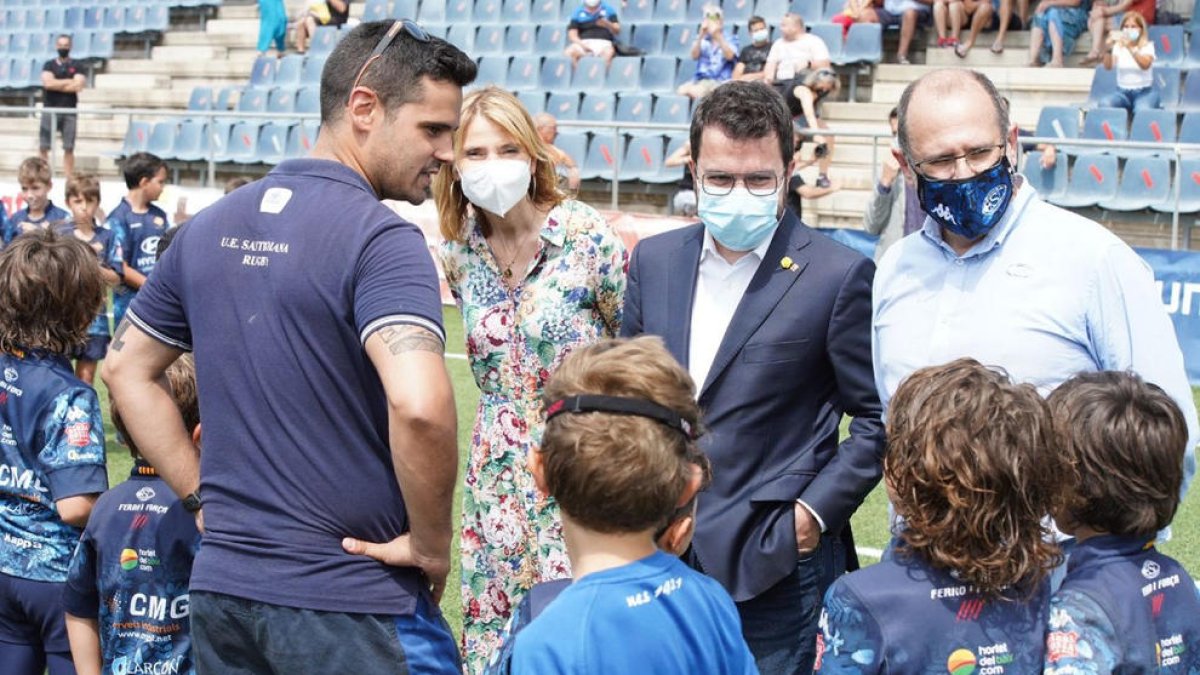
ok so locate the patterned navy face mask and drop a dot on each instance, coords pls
(969, 207)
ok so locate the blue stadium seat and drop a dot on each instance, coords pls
(1050, 183)
(1189, 97)
(597, 108)
(324, 38)
(432, 11)
(670, 11)
(6, 73)
(523, 73)
(602, 157)
(1058, 122)
(93, 17)
(812, 11)
(574, 144)
(225, 97)
(137, 138)
(1189, 188)
(41, 46)
(551, 10)
(313, 65)
(489, 39)
(290, 71)
(201, 99)
(672, 109)
(658, 73)
(404, 9)
(555, 74)
(515, 11)
(1151, 126)
(252, 101)
(1093, 180)
(771, 10)
(831, 35)
(102, 45)
(281, 101)
(648, 37)
(679, 40)
(643, 157)
(1166, 85)
(73, 18)
(18, 44)
(272, 143)
(1169, 45)
(1189, 129)
(624, 74)
(670, 174)
(520, 39)
(864, 44)
(462, 35)
(308, 100)
(492, 70)
(1106, 124)
(636, 11)
(262, 75)
(35, 19)
(534, 100)
(1146, 181)
(1104, 84)
(191, 143)
(686, 72)
(162, 139)
(301, 140)
(551, 40)
(634, 108)
(114, 19)
(1191, 59)
(736, 11)
(589, 74)
(25, 73)
(158, 18)
(376, 10)
(56, 19)
(218, 138)
(487, 11)
(243, 144)
(460, 10)
(135, 19)
(564, 106)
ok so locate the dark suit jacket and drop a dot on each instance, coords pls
(796, 356)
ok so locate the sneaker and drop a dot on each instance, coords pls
(903, 60)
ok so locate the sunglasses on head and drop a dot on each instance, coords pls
(409, 26)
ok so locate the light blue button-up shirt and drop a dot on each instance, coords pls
(1045, 295)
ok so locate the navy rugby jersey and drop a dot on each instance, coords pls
(1123, 608)
(138, 235)
(108, 252)
(904, 616)
(51, 448)
(277, 291)
(131, 571)
(19, 223)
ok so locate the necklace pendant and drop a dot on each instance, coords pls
(507, 273)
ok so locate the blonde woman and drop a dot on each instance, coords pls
(1132, 53)
(535, 275)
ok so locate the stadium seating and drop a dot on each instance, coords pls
(1049, 183)
(1151, 126)
(1106, 124)
(1146, 181)
(1093, 180)
(1189, 189)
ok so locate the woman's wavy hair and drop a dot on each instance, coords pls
(50, 291)
(971, 468)
(506, 112)
(1140, 20)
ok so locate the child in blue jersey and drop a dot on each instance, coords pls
(127, 592)
(619, 456)
(971, 469)
(51, 441)
(1124, 607)
(137, 223)
(35, 180)
(83, 198)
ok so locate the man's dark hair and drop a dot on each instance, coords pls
(744, 110)
(894, 114)
(64, 35)
(164, 242)
(141, 165)
(755, 19)
(395, 77)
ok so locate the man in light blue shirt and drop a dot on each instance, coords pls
(1001, 276)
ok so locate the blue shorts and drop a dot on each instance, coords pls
(887, 19)
(93, 350)
(31, 613)
(236, 636)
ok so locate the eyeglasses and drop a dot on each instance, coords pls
(407, 25)
(758, 183)
(979, 159)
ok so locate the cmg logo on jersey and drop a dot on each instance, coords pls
(20, 478)
(985, 660)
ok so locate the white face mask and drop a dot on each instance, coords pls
(760, 36)
(1133, 33)
(496, 185)
(591, 4)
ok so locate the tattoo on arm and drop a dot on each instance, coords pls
(403, 338)
(119, 337)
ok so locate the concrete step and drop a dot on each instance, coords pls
(205, 39)
(982, 57)
(234, 26)
(135, 98)
(191, 53)
(1017, 40)
(131, 81)
(225, 68)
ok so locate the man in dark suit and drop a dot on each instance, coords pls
(773, 321)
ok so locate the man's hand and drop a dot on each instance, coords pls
(399, 552)
(1049, 158)
(808, 532)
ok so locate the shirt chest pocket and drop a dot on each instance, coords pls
(788, 351)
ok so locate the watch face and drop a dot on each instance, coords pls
(192, 502)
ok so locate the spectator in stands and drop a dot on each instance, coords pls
(908, 14)
(1063, 21)
(894, 210)
(535, 276)
(715, 52)
(35, 179)
(320, 13)
(1068, 298)
(683, 203)
(272, 26)
(593, 31)
(798, 190)
(62, 80)
(1132, 53)
(564, 165)
(753, 59)
(804, 102)
(855, 11)
(794, 55)
(1103, 20)
(353, 359)
(979, 12)
(1003, 19)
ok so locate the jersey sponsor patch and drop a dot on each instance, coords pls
(274, 200)
(79, 434)
(1062, 645)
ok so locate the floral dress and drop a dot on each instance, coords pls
(571, 296)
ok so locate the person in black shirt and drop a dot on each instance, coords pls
(332, 13)
(62, 80)
(753, 58)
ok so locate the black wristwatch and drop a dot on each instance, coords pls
(192, 502)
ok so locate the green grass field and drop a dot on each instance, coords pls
(870, 523)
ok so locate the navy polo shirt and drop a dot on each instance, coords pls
(51, 448)
(130, 573)
(275, 288)
(20, 222)
(138, 235)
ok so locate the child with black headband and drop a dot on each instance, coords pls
(619, 455)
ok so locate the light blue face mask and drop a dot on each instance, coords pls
(739, 221)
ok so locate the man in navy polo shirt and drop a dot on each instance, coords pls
(314, 315)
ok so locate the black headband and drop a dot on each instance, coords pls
(622, 406)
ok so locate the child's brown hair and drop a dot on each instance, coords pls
(181, 377)
(34, 170)
(50, 291)
(83, 185)
(613, 472)
(971, 468)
